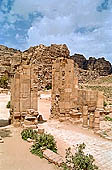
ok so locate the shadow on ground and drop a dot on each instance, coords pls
(4, 123)
(5, 133)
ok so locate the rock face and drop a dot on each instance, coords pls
(10, 59)
(99, 66)
(44, 57)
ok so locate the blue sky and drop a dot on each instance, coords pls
(84, 25)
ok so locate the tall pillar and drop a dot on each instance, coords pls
(24, 93)
(97, 120)
(85, 116)
(25, 102)
(34, 88)
(64, 86)
(91, 121)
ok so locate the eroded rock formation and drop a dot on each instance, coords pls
(100, 65)
(10, 59)
(86, 70)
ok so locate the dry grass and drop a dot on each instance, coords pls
(102, 80)
(105, 89)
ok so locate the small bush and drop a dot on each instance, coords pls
(48, 86)
(8, 105)
(43, 141)
(105, 104)
(29, 133)
(3, 82)
(107, 118)
(79, 161)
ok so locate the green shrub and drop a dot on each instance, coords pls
(8, 105)
(108, 118)
(29, 133)
(48, 86)
(43, 141)
(79, 161)
(105, 104)
(4, 82)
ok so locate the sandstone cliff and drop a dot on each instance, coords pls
(100, 65)
(10, 59)
(86, 70)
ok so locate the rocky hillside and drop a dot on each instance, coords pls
(99, 66)
(10, 59)
(104, 84)
(44, 57)
(86, 70)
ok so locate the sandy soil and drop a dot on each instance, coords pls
(15, 155)
(14, 152)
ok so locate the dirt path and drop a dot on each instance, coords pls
(68, 135)
(14, 152)
(15, 155)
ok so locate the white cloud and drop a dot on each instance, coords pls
(23, 8)
(60, 21)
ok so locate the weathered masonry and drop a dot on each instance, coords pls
(24, 93)
(68, 101)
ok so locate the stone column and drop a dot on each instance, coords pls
(97, 120)
(91, 121)
(34, 88)
(16, 92)
(25, 94)
(15, 100)
(85, 116)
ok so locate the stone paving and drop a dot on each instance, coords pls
(100, 148)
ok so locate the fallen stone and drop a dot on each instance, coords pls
(30, 126)
(53, 157)
(41, 130)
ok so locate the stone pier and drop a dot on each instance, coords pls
(63, 89)
(70, 102)
(24, 93)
